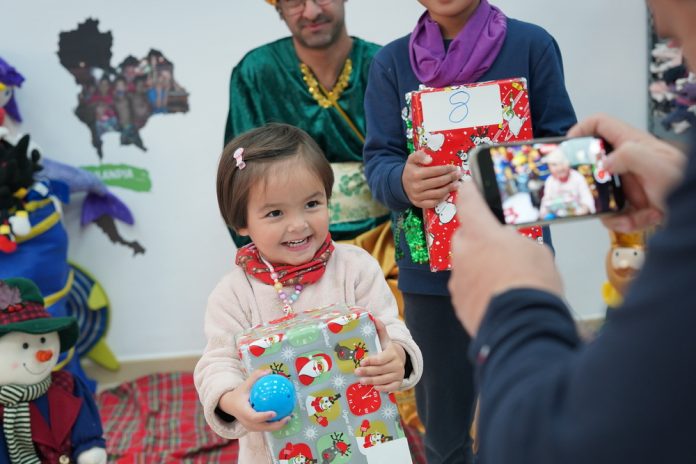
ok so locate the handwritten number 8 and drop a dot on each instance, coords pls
(460, 102)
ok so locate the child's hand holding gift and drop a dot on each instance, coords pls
(384, 370)
(426, 185)
(236, 403)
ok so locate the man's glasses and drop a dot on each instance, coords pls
(297, 6)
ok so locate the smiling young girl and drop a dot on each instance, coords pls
(274, 185)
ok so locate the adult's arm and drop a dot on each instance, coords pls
(627, 396)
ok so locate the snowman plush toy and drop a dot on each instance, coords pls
(45, 416)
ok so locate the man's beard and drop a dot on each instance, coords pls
(319, 41)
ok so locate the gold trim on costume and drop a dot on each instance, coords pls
(327, 98)
(324, 97)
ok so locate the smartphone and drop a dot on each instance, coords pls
(543, 181)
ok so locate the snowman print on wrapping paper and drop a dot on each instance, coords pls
(434, 141)
(446, 210)
(296, 453)
(372, 433)
(480, 137)
(323, 407)
(430, 238)
(463, 156)
(515, 123)
(313, 368)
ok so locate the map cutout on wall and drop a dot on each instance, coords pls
(122, 98)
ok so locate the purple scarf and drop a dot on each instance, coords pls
(470, 54)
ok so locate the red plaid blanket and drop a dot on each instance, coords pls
(158, 419)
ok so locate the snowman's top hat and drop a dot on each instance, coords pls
(22, 310)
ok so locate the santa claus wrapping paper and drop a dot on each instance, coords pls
(336, 419)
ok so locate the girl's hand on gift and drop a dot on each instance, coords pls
(384, 370)
(236, 403)
(427, 186)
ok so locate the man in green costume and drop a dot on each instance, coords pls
(315, 79)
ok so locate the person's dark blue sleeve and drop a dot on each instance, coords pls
(87, 431)
(385, 151)
(628, 396)
(552, 111)
(519, 352)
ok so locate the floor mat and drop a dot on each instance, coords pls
(158, 419)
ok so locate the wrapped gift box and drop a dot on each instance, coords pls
(446, 124)
(336, 419)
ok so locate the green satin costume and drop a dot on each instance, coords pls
(268, 86)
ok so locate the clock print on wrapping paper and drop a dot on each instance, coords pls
(331, 406)
(447, 124)
(363, 399)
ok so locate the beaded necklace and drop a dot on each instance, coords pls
(285, 299)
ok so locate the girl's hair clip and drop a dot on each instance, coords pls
(238, 156)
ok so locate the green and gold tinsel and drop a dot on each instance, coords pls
(411, 220)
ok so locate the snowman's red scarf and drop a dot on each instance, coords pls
(249, 259)
(16, 421)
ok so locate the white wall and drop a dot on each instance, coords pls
(158, 299)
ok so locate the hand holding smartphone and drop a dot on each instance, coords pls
(546, 180)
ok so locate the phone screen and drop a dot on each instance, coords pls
(546, 180)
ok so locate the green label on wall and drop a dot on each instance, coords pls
(122, 175)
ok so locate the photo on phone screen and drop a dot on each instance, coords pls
(545, 180)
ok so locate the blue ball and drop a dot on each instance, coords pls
(273, 392)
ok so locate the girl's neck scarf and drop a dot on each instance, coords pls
(249, 259)
(469, 56)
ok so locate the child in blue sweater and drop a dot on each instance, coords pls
(455, 42)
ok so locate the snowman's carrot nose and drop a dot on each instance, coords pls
(44, 355)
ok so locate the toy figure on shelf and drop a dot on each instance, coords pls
(47, 417)
(9, 79)
(33, 240)
(624, 260)
(35, 243)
